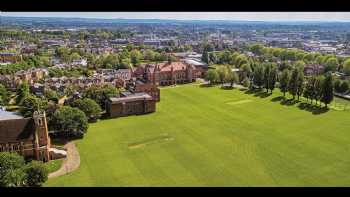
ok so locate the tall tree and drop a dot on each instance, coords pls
(346, 67)
(272, 77)
(70, 122)
(205, 56)
(30, 104)
(327, 86)
(212, 76)
(22, 92)
(344, 87)
(318, 90)
(91, 109)
(267, 69)
(308, 92)
(300, 82)
(4, 95)
(284, 81)
(11, 172)
(231, 77)
(259, 76)
(331, 64)
(36, 174)
(222, 72)
(293, 84)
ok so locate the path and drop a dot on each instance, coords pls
(70, 163)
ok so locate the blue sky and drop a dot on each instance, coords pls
(247, 16)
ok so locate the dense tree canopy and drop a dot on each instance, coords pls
(91, 109)
(69, 122)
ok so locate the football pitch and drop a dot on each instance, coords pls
(207, 136)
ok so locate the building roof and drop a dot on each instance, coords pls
(12, 130)
(195, 62)
(130, 98)
(176, 66)
(5, 115)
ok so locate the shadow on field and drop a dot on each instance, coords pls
(289, 102)
(312, 108)
(206, 85)
(262, 94)
(251, 91)
(227, 88)
(276, 99)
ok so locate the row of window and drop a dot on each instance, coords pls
(10, 147)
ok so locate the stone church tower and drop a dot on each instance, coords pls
(41, 136)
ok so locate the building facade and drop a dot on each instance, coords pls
(139, 86)
(135, 104)
(167, 73)
(26, 136)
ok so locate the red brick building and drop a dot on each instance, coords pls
(7, 57)
(135, 104)
(139, 86)
(167, 73)
(26, 136)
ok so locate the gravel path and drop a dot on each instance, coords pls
(70, 163)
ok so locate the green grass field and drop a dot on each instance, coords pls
(53, 165)
(214, 137)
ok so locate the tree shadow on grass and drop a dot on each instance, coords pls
(289, 102)
(279, 98)
(252, 91)
(262, 94)
(316, 110)
(206, 85)
(227, 88)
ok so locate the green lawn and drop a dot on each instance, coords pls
(214, 137)
(54, 165)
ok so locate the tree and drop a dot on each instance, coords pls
(231, 77)
(91, 109)
(327, 87)
(337, 84)
(331, 64)
(300, 82)
(318, 90)
(70, 122)
(148, 54)
(267, 76)
(344, 87)
(4, 95)
(100, 94)
(11, 172)
(205, 56)
(272, 77)
(36, 174)
(259, 76)
(222, 73)
(293, 84)
(284, 81)
(308, 92)
(135, 57)
(22, 92)
(30, 104)
(51, 95)
(346, 67)
(246, 70)
(246, 82)
(74, 56)
(256, 49)
(212, 76)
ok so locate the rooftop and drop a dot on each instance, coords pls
(6, 115)
(132, 97)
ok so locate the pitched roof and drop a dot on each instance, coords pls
(12, 130)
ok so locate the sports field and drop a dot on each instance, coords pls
(203, 136)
